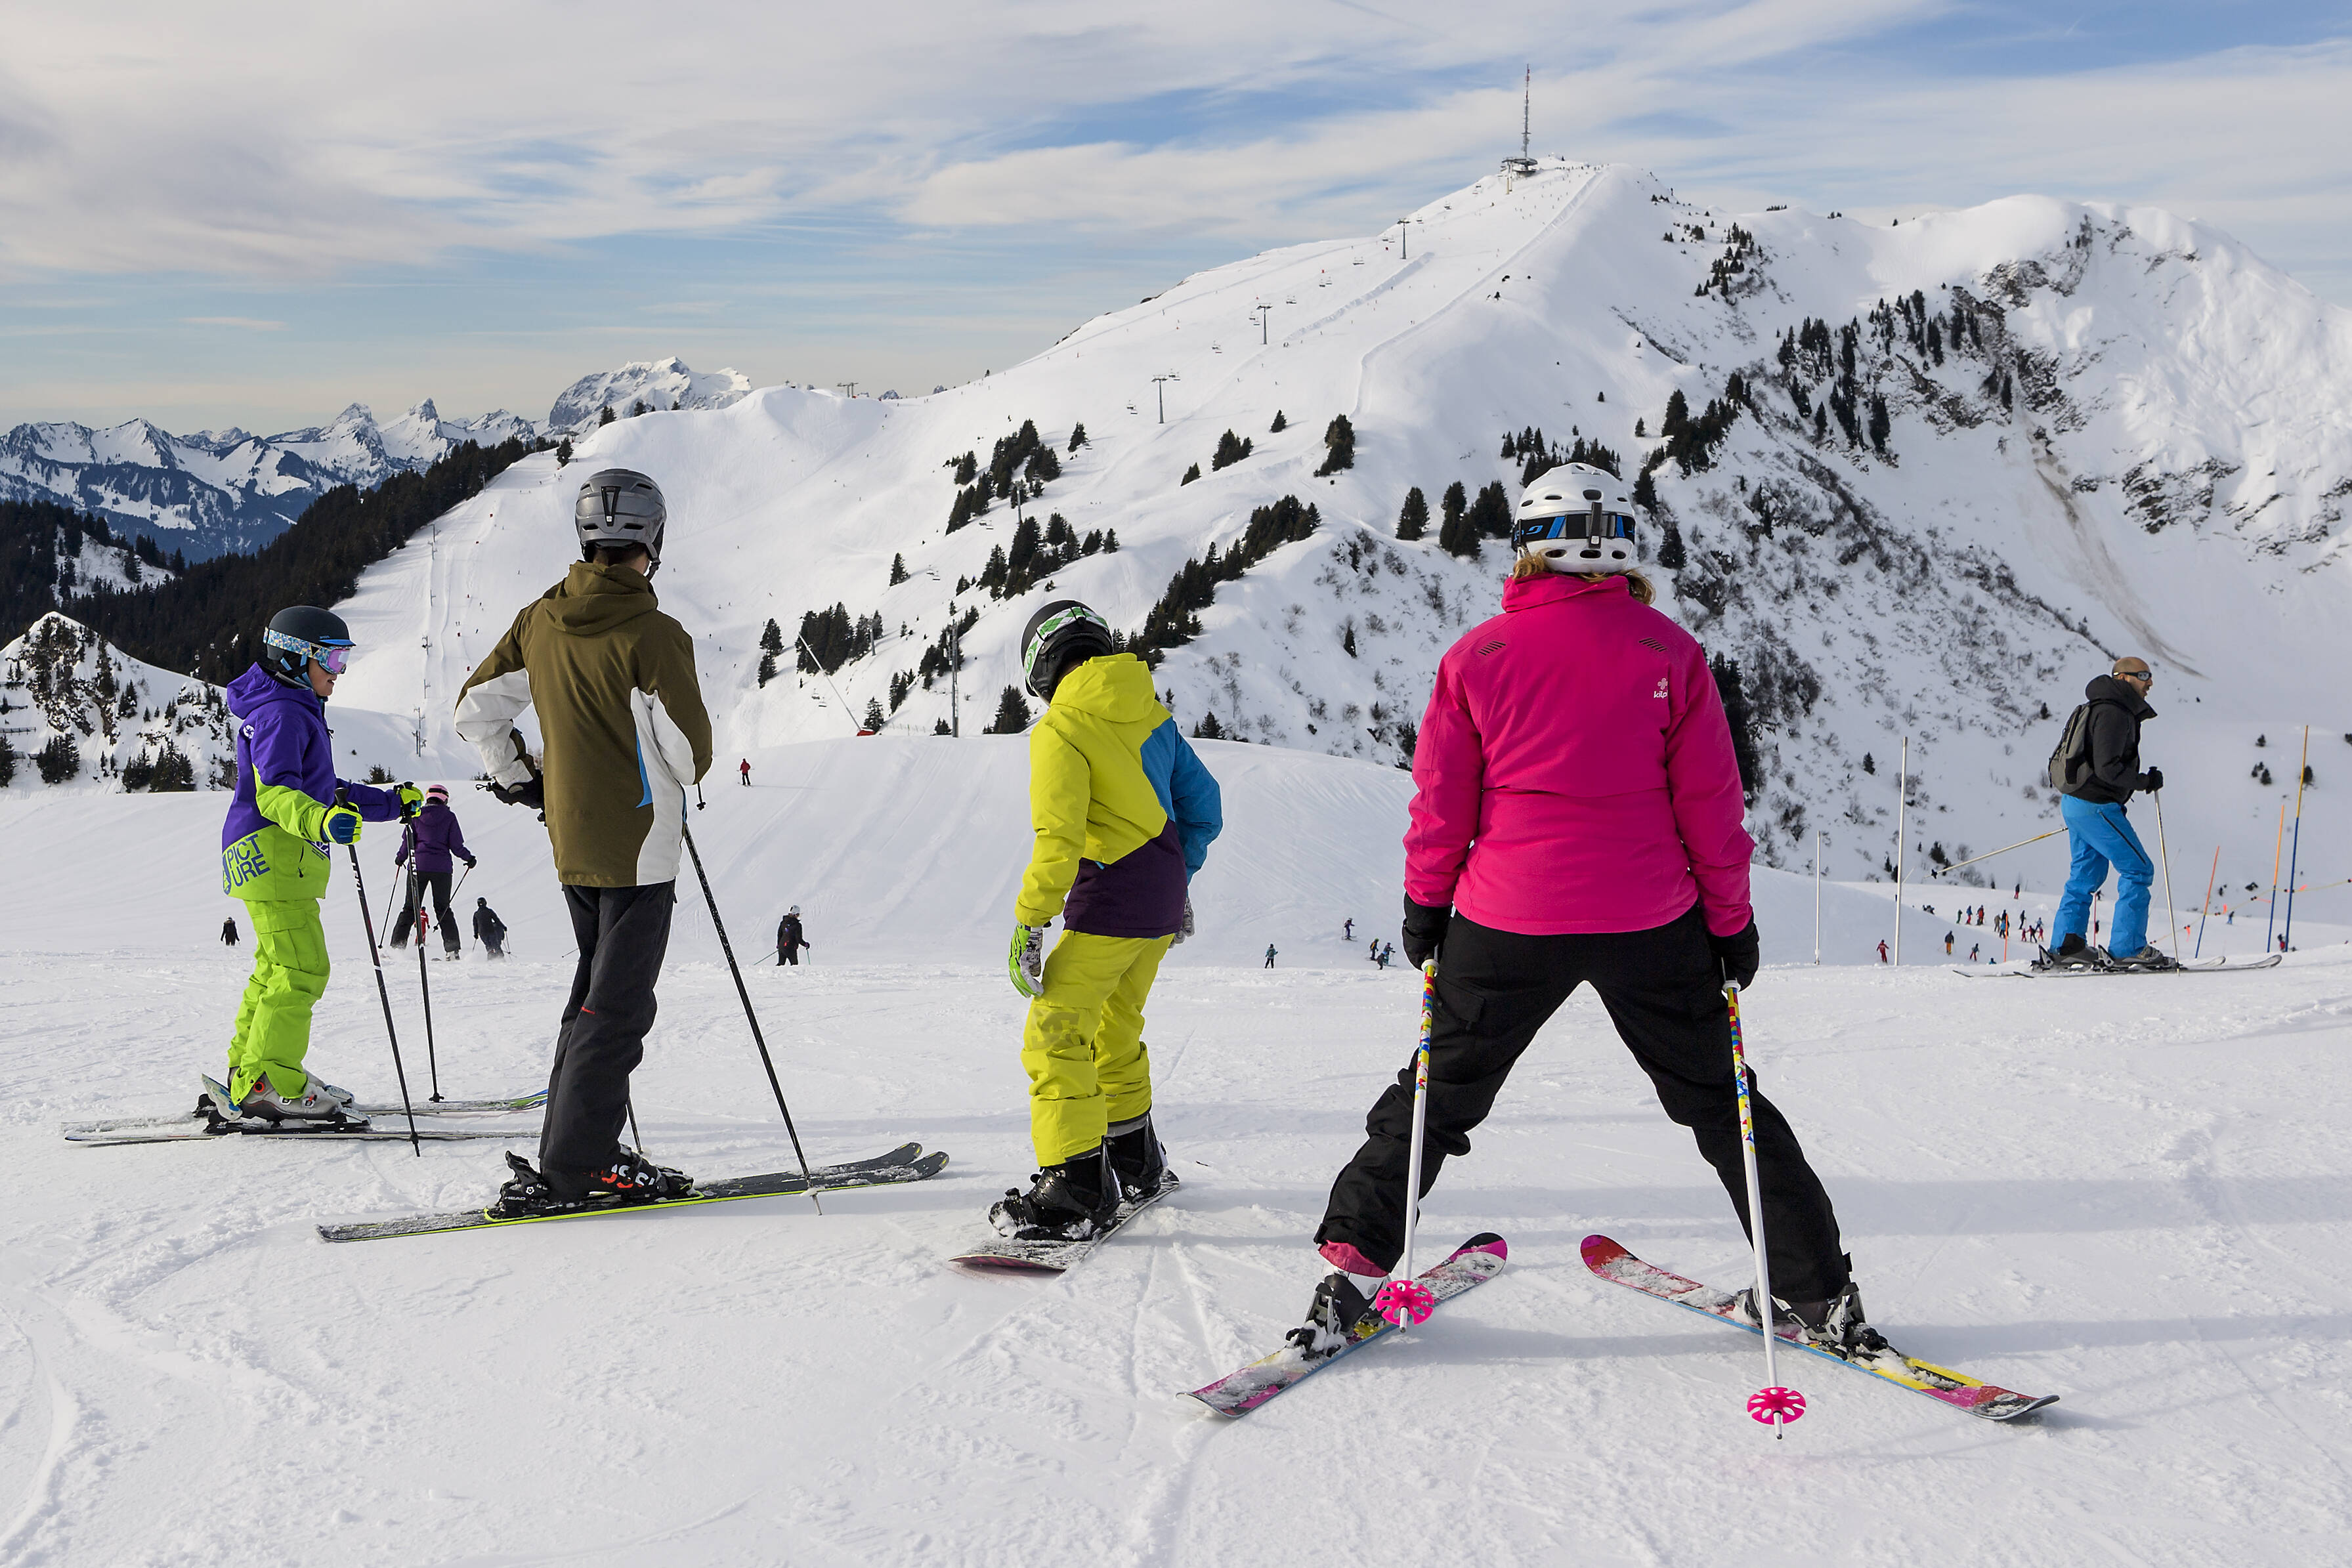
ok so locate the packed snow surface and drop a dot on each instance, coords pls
(2127, 1192)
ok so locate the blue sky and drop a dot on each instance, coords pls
(254, 213)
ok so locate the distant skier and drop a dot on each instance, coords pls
(489, 929)
(744, 768)
(288, 809)
(437, 839)
(1974, 948)
(1388, 951)
(228, 932)
(1882, 949)
(1270, 954)
(1947, 944)
(624, 733)
(2096, 768)
(1347, 930)
(1576, 819)
(1123, 813)
(790, 937)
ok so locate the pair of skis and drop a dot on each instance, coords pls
(2039, 971)
(214, 1116)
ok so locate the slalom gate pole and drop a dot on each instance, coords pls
(383, 992)
(1404, 1301)
(2166, 856)
(2205, 910)
(417, 930)
(1772, 1404)
(1946, 869)
(2270, 925)
(754, 1019)
(2293, 855)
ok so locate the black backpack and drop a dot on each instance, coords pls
(2070, 764)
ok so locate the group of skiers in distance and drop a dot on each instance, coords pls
(1577, 819)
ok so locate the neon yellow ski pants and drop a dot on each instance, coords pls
(1083, 1047)
(289, 976)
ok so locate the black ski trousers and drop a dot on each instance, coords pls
(624, 932)
(1663, 991)
(436, 883)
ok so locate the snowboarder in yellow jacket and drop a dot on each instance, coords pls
(1124, 813)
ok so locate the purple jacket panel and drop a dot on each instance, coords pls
(437, 839)
(282, 736)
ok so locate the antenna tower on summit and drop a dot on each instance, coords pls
(1523, 165)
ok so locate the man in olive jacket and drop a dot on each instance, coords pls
(624, 733)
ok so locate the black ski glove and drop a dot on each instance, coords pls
(1424, 930)
(532, 793)
(471, 862)
(2153, 780)
(1739, 954)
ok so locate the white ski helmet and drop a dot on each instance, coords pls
(1578, 518)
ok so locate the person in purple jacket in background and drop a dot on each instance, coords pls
(437, 839)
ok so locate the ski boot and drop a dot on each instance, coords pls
(525, 1194)
(1834, 1327)
(317, 1103)
(1340, 1307)
(627, 1178)
(1138, 1160)
(2073, 953)
(1073, 1201)
(2147, 960)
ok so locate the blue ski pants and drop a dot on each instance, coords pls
(2102, 836)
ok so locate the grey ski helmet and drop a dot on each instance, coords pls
(1578, 518)
(300, 633)
(620, 506)
(1059, 637)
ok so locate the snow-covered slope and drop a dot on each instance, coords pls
(81, 714)
(656, 383)
(2132, 441)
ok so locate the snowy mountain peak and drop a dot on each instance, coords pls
(104, 719)
(658, 383)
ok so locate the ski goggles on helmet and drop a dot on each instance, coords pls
(334, 656)
(1594, 525)
(1042, 638)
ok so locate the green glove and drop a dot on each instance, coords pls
(342, 824)
(411, 801)
(1027, 960)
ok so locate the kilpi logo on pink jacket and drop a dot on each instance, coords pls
(1556, 793)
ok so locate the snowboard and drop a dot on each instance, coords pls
(80, 1131)
(1614, 1263)
(905, 1164)
(1237, 1394)
(2194, 966)
(1053, 1257)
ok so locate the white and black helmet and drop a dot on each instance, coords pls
(1578, 518)
(620, 506)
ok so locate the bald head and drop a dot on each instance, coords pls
(2135, 670)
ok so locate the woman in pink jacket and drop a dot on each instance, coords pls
(1577, 819)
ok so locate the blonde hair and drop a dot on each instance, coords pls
(1530, 567)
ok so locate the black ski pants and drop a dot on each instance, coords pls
(1663, 990)
(436, 883)
(624, 932)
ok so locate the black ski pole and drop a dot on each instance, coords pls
(390, 894)
(383, 992)
(417, 930)
(757, 1039)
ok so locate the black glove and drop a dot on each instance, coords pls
(1738, 953)
(532, 793)
(471, 862)
(1424, 930)
(2152, 780)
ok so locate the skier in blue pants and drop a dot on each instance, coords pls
(2105, 776)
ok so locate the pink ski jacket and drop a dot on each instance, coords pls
(1574, 771)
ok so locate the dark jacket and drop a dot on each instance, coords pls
(437, 838)
(789, 934)
(489, 929)
(2116, 714)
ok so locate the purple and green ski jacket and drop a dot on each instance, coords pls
(273, 845)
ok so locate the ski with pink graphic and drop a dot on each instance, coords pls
(1237, 1394)
(1612, 1262)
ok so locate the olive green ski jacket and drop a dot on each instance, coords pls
(620, 722)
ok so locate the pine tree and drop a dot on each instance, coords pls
(1671, 555)
(1880, 425)
(1231, 449)
(898, 573)
(605, 417)
(1348, 643)
(1339, 447)
(1190, 475)
(771, 637)
(1077, 435)
(874, 713)
(1012, 713)
(1490, 514)
(1279, 425)
(637, 408)
(1413, 519)
(1110, 541)
(563, 452)
(1454, 534)
(58, 760)
(7, 763)
(1735, 713)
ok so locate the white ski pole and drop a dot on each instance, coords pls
(1774, 1405)
(1404, 1300)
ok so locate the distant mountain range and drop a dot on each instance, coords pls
(221, 491)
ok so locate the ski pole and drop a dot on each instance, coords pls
(1948, 869)
(757, 1039)
(390, 893)
(460, 887)
(1772, 1404)
(2157, 796)
(2205, 910)
(2294, 855)
(416, 929)
(1404, 1300)
(383, 992)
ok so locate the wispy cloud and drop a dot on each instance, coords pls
(249, 323)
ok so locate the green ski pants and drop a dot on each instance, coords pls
(289, 976)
